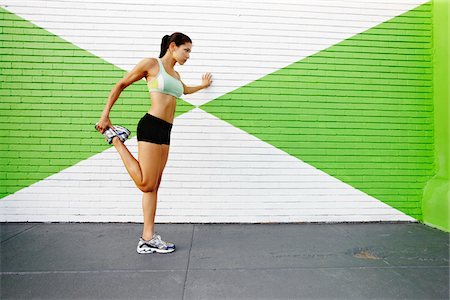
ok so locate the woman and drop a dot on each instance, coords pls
(153, 130)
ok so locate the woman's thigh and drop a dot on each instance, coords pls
(150, 160)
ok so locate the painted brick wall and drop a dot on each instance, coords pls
(319, 111)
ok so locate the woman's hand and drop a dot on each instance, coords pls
(103, 124)
(206, 80)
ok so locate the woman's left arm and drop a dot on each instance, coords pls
(206, 82)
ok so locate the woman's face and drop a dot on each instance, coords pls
(181, 53)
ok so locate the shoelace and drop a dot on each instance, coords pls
(158, 238)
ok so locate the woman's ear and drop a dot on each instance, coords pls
(172, 46)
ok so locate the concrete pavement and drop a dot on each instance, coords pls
(225, 261)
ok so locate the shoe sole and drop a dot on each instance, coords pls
(160, 251)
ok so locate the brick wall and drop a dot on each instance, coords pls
(319, 111)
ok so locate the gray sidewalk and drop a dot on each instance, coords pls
(225, 261)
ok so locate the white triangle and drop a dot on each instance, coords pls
(215, 173)
(237, 41)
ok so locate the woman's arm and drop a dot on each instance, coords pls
(139, 71)
(206, 82)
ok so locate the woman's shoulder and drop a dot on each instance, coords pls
(147, 63)
(151, 61)
(150, 65)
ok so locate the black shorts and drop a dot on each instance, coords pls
(154, 130)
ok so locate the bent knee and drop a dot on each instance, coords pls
(148, 188)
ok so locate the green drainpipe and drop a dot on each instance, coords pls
(436, 197)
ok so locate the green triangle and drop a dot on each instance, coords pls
(360, 110)
(52, 94)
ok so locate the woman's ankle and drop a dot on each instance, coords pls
(116, 140)
(147, 237)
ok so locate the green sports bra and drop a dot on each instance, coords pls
(165, 83)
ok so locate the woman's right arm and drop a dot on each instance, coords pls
(140, 71)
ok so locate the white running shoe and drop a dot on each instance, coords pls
(154, 245)
(121, 132)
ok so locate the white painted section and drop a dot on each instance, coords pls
(215, 173)
(237, 41)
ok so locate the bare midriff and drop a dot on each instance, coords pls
(163, 106)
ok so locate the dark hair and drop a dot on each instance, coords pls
(177, 37)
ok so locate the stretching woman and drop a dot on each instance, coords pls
(153, 130)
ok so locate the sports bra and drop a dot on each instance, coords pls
(165, 83)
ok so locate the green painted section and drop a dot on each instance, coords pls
(52, 94)
(436, 197)
(360, 110)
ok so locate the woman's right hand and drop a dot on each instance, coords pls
(103, 124)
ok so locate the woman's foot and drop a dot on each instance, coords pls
(154, 245)
(121, 132)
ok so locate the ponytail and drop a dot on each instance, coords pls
(164, 45)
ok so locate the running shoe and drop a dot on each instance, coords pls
(154, 245)
(121, 132)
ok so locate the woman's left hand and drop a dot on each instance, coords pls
(206, 80)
